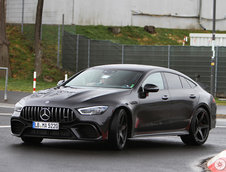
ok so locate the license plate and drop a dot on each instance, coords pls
(45, 125)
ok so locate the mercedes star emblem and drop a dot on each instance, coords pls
(45, 114)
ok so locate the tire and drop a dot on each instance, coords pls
(32, 140)
(118, 130)
(199, 128)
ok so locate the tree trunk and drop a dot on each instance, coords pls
(4, 44)
(38, 48)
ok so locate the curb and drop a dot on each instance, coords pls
(218, 162)
(221, 116)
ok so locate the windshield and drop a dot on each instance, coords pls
(106, 78)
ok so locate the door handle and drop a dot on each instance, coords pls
(192, 96)
(165, 97)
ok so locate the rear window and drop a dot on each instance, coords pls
(185, 83)
(173, 81)
(191, 84)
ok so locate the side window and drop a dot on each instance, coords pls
(156, 79)
(173, 81)
(184, 83)
(191, 84)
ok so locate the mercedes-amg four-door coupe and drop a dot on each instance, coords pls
(117, 102)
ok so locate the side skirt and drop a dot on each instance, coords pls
(168, 133)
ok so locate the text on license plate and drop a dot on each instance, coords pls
(45, 125)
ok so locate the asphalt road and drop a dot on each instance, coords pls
(156, 154)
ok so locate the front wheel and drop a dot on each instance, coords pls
(199, 129)
(31, 140)
(118, 130)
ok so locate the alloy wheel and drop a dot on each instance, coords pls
(122, 130)
(201, 126)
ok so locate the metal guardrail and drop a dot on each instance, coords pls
(6, 81)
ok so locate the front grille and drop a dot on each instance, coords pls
(62, 115)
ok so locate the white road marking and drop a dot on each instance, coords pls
(221, 120)
(6, 105)
(5, 126)
(6, 114)
(220, 126)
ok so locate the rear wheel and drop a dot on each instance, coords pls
(199, 129)
(32, 140)
(118, 130)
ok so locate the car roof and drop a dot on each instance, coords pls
(139, 67)
(136, 67)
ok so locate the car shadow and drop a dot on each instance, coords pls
(153, 145)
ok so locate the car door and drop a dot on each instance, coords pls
(183, 98)
(152, 112)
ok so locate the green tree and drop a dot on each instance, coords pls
(38, 47)
(4, 43)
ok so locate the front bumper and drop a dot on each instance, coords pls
(73, 131)
(81, 128)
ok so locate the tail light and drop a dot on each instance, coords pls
(214, 101)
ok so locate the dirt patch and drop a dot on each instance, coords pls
(203, 165)
(118, 35)
(175, 38)
(144, 41)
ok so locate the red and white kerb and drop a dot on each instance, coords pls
(218, 163)
(66, 77)
(34, 83)
(185, 40)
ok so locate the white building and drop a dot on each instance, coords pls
(205, 39)
(183, 14)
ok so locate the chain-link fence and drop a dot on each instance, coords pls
(80, 52)
(20, 18)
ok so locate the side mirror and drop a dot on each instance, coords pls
(60, 82)
(151, 88)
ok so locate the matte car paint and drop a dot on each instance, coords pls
(150, 115)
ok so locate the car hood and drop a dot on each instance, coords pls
(74, 97)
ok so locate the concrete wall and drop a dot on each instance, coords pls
(170, 13)
(182, 14)
(103, 12)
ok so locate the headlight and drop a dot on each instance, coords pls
(18, 107)
(94, 110)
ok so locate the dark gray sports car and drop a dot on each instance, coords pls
(116, 102)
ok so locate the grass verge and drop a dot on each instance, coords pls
(221, 102)
(25, 85)
(135, 35)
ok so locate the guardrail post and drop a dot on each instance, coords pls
(66, 77)
(6, 81)
(22, 19)
(58, 48)
(122, 54)
(34, 82)
(169, 56)
(62, 25)
(88, 53)
(216, 71)
(77, 49)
